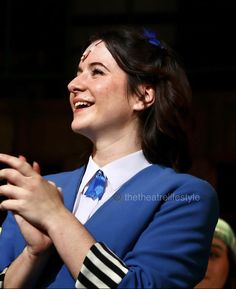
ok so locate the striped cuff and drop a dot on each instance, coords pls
(101, 269)
(2, 276)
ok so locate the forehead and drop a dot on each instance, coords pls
(98, 52)
(218, 243)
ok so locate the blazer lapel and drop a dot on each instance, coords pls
(111, 219)
(131, 188)
(69, 182)
(71, 188)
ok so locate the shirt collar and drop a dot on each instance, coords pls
(118, 171)
(90, 171)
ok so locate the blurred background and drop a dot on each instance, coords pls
(39, 51)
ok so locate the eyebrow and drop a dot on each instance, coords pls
(94, 64)
(217, 246)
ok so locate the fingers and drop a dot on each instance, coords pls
(19, 169)
(59, 188)
(12, 176)
(19, 164)
(10, 192)
(9, 204)
(22, 158)
(36, 167)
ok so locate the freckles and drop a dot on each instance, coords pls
(103, 91)
(101, 87)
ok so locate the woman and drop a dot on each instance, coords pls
(154, 224)
(221, 270)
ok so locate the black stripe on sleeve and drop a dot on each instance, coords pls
(107, 262)
(83, 280)
(98, 273)
(2, 274)
(112, 254)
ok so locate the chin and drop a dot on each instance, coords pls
(77, 126)
(204, 284)
(79, 129)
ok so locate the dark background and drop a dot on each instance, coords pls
(39, 51)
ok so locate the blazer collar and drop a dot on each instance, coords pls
(71, 186)
(133, 186)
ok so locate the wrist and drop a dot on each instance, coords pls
(57, 222)
(33, 255)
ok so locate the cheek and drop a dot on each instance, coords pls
(225, 269)
(71, 100)
(219, 270)
(101, 92)
(111, 94)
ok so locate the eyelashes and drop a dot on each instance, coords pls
(97, 71)
(94, 71)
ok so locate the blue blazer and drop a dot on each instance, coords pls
(160, 223)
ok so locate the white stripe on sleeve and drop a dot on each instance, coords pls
(101, 269)
(2, 276)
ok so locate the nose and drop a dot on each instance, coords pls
(76, 84)
(73, 85)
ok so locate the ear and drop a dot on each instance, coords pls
(147, 99)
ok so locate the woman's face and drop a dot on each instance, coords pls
(218, 266)
(98, 96)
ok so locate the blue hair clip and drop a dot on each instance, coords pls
(152, 38)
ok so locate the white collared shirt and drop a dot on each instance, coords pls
(117, 172)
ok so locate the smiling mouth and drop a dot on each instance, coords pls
(82, 104)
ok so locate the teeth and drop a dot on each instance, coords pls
(82, 104)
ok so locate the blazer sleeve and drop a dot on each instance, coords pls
(11, 244)
(9, 241)
(173, 250)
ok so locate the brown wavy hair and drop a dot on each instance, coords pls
(166, 124)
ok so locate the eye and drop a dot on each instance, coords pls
(79, 71)
(214, 255)
(97, 71)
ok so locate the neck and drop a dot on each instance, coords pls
(106, 151)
